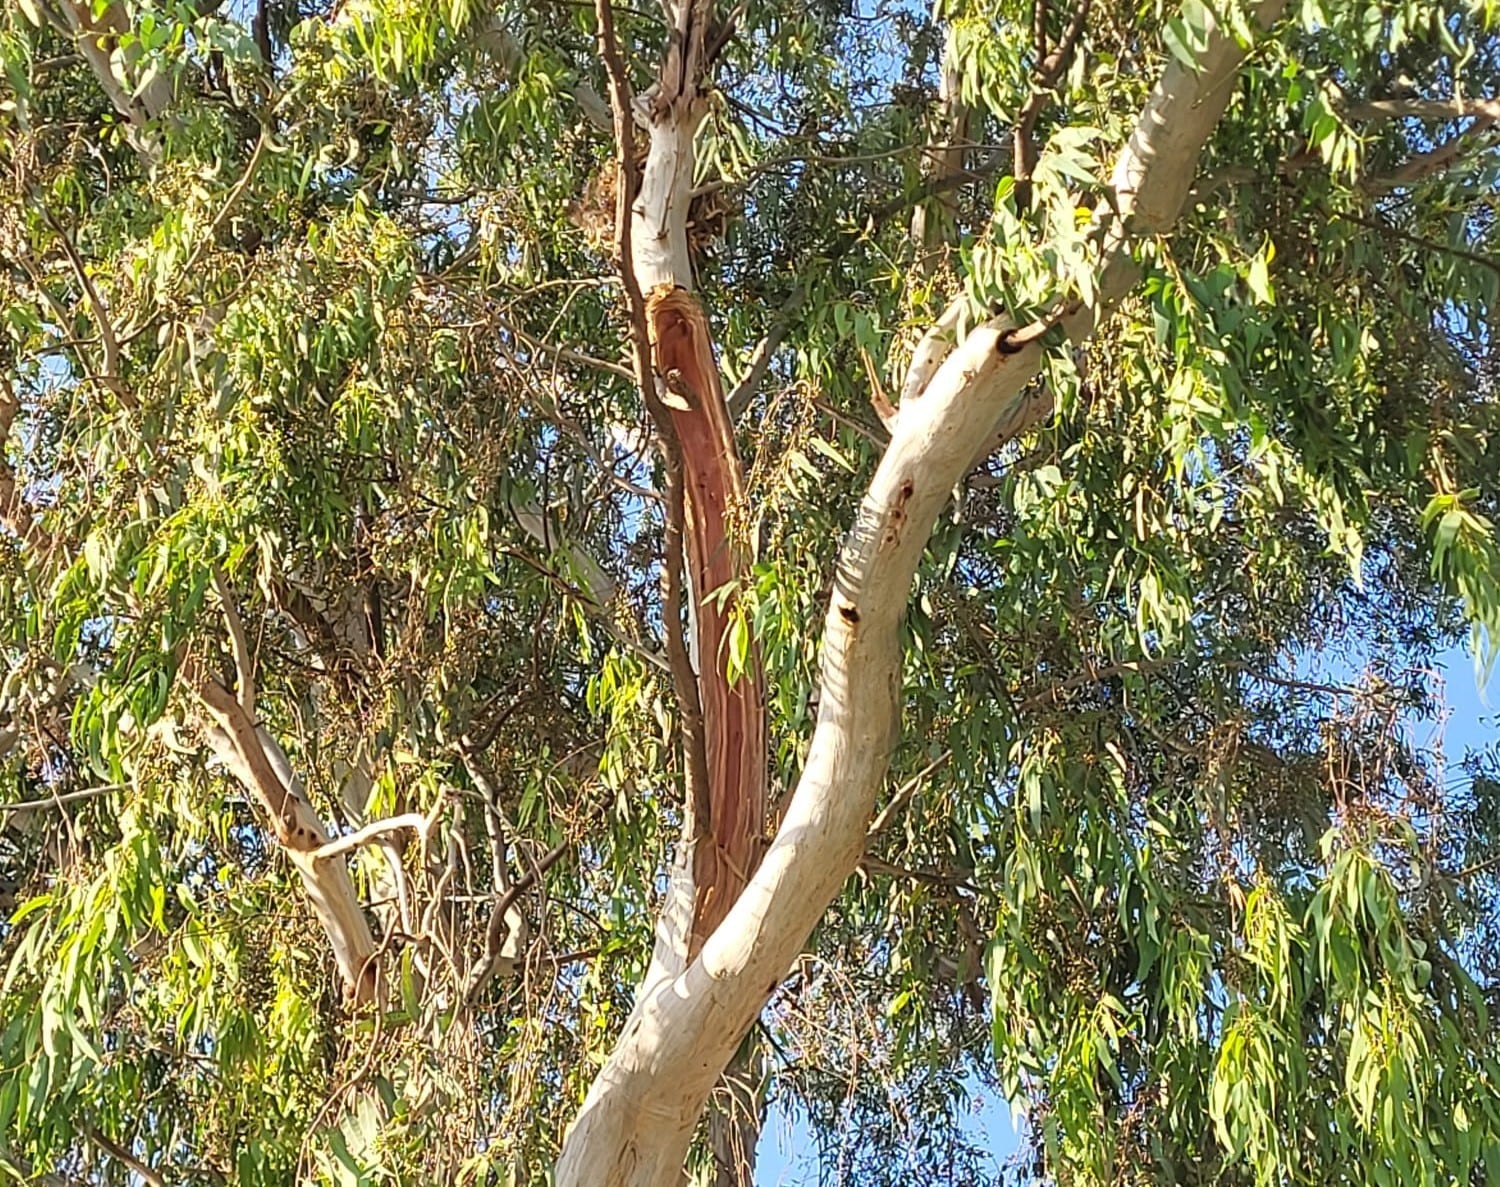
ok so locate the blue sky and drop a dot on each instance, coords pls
(788, 1156)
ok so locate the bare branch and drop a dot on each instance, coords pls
(377, 829)
(904, 794)
(952, 881)
(1473, 257)
(95, 30)
(1432, 162)
(933, 221)
(1049, 70)
(262, 767)
(15, 513)
(621, 102)
(684, 679)
(569, 355)
(109, 370)
(146, 1173)
(1425, 109)
(65, 797)
(724, 34)
(1017, 338)
(879, 401)
(207, 237)
(743, 392)
(933, 347)
(1082, 680)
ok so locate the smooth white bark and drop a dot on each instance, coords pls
(255, 758)
(638, 1118)
(658, 226)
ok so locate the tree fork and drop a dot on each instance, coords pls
(639, 1116)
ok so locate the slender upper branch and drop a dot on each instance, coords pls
(629, 181)
(244, 662)
(494, 932)
(109, 368)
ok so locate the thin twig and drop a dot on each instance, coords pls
(621, 103)
(495, 932)
(147, 1173)
(684, 679)
(1016, 340)
(15, 513)
(850, 423)
(207, 237)
(904, 794)
(1049, 71)
(1417, 241)
(591, 605)
(1426, 164)
(109, 343)
(1083, 679)
(1479, 867)
(66, 797)
(1424, 109)
(569, 355)
(761, 357)
(954, 881)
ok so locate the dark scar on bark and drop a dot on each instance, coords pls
(849, 614)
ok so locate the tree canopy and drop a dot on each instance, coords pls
(434, 434)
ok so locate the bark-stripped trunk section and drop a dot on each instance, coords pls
(639, 1116)
(726, 824)
(724, 736)
(728, 827)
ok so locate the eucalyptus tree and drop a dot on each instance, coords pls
(569, 569)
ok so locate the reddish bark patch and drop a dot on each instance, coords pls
(730, 841)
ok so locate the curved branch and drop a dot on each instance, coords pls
(375, 831)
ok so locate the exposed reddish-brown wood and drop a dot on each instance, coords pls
(730, 841)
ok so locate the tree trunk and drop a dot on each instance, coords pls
(638, 1118)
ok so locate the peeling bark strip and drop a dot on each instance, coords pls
(638, 1118)
(728, 844)
(726, 758)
